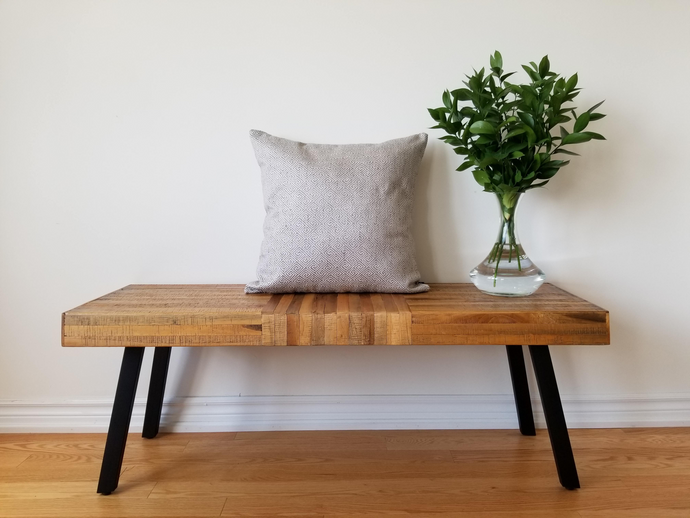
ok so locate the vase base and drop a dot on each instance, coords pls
(507, 284)
(506, 294)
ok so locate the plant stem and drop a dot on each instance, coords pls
(498, 260)
(493, 253)
(511, 230)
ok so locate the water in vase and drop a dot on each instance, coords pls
(507, 271)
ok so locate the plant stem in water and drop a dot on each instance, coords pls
(511, 229)
(499, 247)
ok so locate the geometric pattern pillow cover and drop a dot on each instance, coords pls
(338, 217)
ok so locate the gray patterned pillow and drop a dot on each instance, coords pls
(338, 218)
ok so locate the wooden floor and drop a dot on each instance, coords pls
(441, 473)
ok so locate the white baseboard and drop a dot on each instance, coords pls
(376, 412)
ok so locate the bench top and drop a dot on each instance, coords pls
(223, 315)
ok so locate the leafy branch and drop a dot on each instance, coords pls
(509, 133)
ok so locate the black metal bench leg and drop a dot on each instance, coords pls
(119, 421)
(553, 412)
(523, 403)
(154, 403)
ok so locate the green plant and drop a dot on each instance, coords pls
(505, 134)
(509, 134)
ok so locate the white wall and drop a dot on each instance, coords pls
(124, 158)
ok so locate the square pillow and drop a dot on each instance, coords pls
(338, 217)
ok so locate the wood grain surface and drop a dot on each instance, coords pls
(639, 473)
(223, 315)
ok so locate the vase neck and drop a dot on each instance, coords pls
(507, 205)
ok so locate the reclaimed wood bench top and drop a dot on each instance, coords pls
(223, 315)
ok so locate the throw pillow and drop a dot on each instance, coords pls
(338, 217)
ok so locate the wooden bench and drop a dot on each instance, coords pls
(166, 316)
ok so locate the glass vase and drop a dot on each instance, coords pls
(507, 271)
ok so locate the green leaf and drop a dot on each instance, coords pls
(466, 111)
(576, 138)
(514, 146)
(596, 116)
(517, 154)
(518, 176)
(496, 62)
(595, 136)
(434, 114)
(509, 199)
(565, 152)
(531, 136)
(482, 128)
(558, 163)
(515, 132)
(545, 174)
(527, 119)
(537, 162)
(531, 73)
(498, 59)
(452, 140)
(446, 100)
(506, 76)
(487, 161)
(596, 106)
(509, 120)
(544, 66)
(461, 151)
(581, 122)
(462, 94)
(481, 177)
(571, 83)
(465, 165)
(537, 185)
(564, 132)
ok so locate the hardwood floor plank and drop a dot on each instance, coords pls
(309, 435)
(330, 470)
(469, 442)
(649, 512)
(644, 480)
(280, 445)
(92, 443)
(12, 459)
(455, 514)
(97, 505)
(407, 496)
(360, 474)
(43, 489)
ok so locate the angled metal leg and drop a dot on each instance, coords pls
(119, 420)
(523, 403)
(154, 403)
(555, 420)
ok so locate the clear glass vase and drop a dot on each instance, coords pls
(507, 271)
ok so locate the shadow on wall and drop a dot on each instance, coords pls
(599, 190)
(191, 358)
(436, 187)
